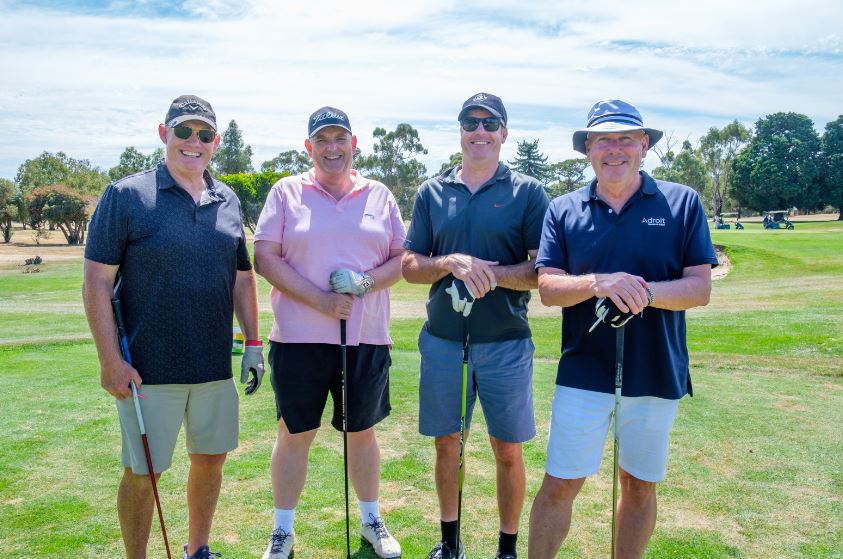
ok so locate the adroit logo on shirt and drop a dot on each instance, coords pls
(654, 221)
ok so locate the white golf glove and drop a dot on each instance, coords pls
(252, 362)
(461, 298)
(608, 313)
(353, 283)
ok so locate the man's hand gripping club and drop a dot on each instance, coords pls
(252, 363)
(461, 298)
(353, 283)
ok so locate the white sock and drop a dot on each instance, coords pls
(367, 508)
(284, 519)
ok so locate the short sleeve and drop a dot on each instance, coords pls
(698, 247)
(399, 234)
(536, 210)
(108, 231)
(552, 249)
(270, 225)
(420, 236)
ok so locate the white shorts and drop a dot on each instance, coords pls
(579, 424)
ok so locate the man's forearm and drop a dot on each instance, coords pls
(418, 268)
(388, 273)
(559, 289)
(284, 278)
(520, 277)
(246, 304)
(96, 296)
(692, 290)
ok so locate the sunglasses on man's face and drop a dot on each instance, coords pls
(490, 124)
(185, 132)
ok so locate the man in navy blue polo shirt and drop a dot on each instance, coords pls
(645, 245)
(479, 223)
(175, 237)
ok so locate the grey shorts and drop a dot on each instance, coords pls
(500, 373)
(208, 410)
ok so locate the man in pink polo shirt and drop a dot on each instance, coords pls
(327, 219)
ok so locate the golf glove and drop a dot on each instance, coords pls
(353, 283)
(461, 298)
(608, 313)
(252, 362)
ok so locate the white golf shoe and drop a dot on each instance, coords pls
(280, 545)
(379, 537)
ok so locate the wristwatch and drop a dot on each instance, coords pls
(650, 296)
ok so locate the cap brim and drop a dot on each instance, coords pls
(318, 128)
(494, 113)
(580, 136)
(184, 118)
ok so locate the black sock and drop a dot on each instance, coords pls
(506, 543)
(449, 533)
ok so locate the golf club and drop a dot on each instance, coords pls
(345, 434)
(462, 438)
(619, 335)
(124, 349)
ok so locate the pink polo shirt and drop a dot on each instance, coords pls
(319, 234)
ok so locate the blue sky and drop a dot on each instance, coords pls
(92, 77)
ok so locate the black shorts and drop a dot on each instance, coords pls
(303, 374)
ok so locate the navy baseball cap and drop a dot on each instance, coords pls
(190, 107)
(327, 116)
(613, 115)
(491, 103)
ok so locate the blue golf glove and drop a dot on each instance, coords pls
(252, 362)
(461, 298)
(353, 283)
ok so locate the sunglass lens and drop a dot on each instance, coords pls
(182, 132)
(206, 136)
(491, 124)
(470, 124)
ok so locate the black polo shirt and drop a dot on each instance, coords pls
(178, 260)
(658, 233)
(499, 222)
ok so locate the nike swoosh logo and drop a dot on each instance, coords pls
(498, 205)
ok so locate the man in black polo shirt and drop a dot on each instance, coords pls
(645, 245)
(478, 223)
(174, 236)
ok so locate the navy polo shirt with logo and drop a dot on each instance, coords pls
(500, 222)
(660, 231)
(178, 262)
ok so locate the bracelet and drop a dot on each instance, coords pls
(650, 296)
(253, 343)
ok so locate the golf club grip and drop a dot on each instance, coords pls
(155, 492)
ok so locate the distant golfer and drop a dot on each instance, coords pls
(478, 223)
(330, 243)
(174, 235)
(645, 245)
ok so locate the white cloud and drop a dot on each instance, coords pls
(92, 84)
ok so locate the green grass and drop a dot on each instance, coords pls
(755, 455)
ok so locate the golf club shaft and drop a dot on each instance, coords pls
(345, 433)
(461, 475)
(124, 350)
(619, 335)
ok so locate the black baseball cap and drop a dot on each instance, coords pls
(190, 107)
(491, 103)
(327, 116)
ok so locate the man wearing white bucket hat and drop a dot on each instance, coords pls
(639, 243)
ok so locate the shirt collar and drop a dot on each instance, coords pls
(165, 180)
(648, 187)
(501, 173)
(360, 182)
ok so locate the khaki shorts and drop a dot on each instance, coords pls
(209, 412)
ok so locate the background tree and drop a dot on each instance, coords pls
(252, 189)
(718, 149)
(394, 163)
(566, 176)
(133, 161)
(66, 208)
(293, 161)
(454, 160)
(832, 143)
(8, 208)
(233, 156)
(665, 151)
(686, 168)
(530, 161)
(782, 165)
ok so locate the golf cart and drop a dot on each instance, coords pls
(719, 222)
(777, 219)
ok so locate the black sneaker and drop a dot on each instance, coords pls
(203, 552)
(444, 551)
(505, 556)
